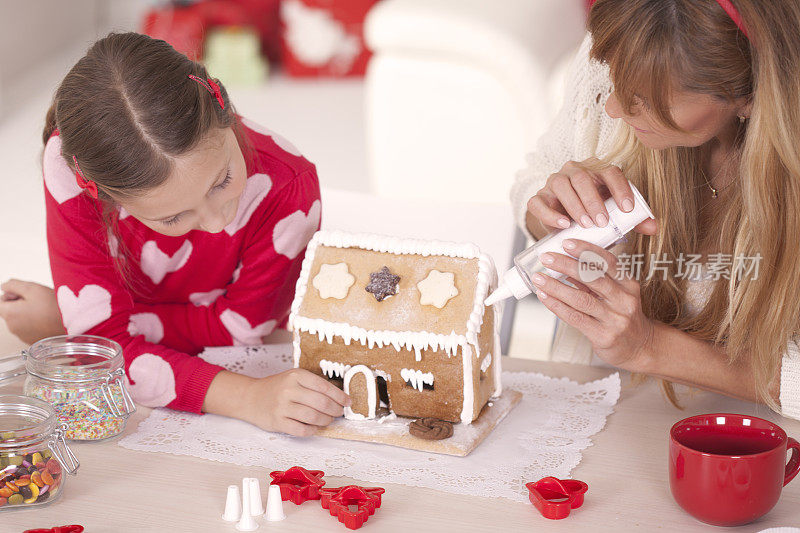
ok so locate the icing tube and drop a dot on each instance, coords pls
(516, 281)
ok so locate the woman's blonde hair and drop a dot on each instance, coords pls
(655, 46)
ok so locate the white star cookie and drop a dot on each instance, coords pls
(437, 288)
(333, 281)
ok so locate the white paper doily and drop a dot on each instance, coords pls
(543, 436)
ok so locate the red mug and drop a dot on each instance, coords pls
(727, 469)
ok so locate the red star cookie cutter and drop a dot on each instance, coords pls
(554, 497)
(338, 502)
(297, 484)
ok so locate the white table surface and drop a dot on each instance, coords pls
(119, 490)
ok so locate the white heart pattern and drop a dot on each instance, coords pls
(156, 264)
(242, 333)
(291, 235)
(255, 190)
(281, 141)
(113, 244)
(205, 298)
(237, 273)
(58, 177)
(91, 307)
(147, 324)
(152, 381)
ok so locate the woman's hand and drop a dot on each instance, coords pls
(30, 310)
(579, 193)
(296, 402)
(606, 306)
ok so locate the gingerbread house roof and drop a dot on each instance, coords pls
(412, 325)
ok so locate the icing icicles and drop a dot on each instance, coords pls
(416, 341)
(417, 378)
(435, 292)
(487, 361)
(332, 369)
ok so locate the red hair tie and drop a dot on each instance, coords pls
(83, 183)
(212, 87)
(729, 8)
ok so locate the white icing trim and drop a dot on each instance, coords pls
(333, 369)
(396, 245)
(417, 378)
(384, 375)
(487, 276)
(380, 243)
(486, 362)
(390, 416)
(416, 341)
(295, 346)
(498, 361)
(469, 387)
(372, 392)
(299, 294)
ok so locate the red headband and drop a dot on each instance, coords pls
(729, 8)
(212, 87)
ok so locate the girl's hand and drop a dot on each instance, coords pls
(608, 309)
(296, 402)
(579, 193)
(30, 310)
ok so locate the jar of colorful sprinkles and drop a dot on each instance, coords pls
(33, 454)
(82, 377)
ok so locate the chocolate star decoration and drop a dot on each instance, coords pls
(382, 284)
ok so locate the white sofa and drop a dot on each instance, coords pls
(459, 90)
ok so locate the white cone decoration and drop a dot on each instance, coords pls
(256, 505)
(247, 523)
(274, 505)
(233, 505)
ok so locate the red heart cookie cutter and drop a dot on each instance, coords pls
(297, 484)
(338, 502)
(554, 497)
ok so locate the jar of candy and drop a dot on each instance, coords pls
(82, 377)
(33, 453)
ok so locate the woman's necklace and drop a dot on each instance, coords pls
(715, 190)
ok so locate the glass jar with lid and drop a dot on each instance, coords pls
(82, 377)
(33, 453)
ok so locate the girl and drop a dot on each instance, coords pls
(702, 114)
(174, 225)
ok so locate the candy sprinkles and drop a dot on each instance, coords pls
(82, 378)
(82, 408)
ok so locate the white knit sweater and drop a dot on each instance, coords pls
(582, 130)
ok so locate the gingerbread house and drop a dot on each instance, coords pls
(399, 324)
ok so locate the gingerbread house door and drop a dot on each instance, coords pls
(360, 384)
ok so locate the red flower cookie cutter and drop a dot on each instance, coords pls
(338, 502)
(554, 497)
(297, 484)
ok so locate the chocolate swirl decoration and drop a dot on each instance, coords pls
(431, 429)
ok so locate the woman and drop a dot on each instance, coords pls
(696, 102)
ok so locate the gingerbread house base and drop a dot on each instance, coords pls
(393, 430)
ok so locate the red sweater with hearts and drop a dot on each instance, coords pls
(180, 294)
